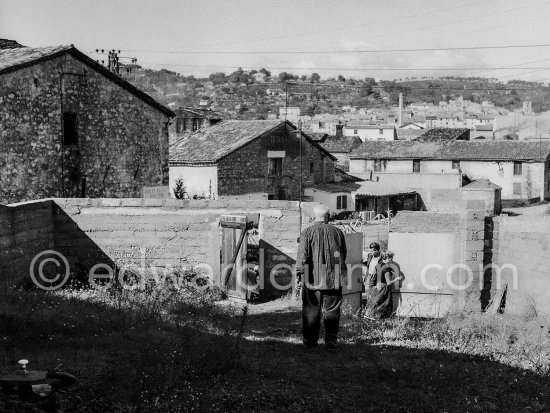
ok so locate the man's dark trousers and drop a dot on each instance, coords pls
(315, 303)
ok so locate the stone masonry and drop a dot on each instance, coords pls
(246, 169)
(122, 140)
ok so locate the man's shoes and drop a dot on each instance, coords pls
(308, 344)
(331, 346)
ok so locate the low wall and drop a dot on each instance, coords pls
(524, 243)
(142, 233)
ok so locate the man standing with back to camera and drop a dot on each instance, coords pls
(321, 268)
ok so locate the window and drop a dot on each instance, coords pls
(342, 202)
(416, 166)
(517, 188)
(195, 124)
(311, 167)
(70, 136)
(381, 131)
(355, 131)
(517, 168)
(456, 165)
(380, 165)
(275, 166)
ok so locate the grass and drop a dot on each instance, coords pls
(171, 351)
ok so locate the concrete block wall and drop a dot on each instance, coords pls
(25, 230)
(141, 233)
(162, 232)
(523, 243)
(473, 218)
(442, 200)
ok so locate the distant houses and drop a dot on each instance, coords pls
(521, 169)
(371, 132)
(72, 128)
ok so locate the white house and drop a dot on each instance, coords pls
(289, 113)
(371, 132)
(521, 169)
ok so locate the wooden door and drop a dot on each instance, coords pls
(233, 255)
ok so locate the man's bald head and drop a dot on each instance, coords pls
(321, 213)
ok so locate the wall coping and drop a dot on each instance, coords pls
(245, 204)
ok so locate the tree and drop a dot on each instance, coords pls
(304, 78)
(284, 76)
(217, 78)
(179, 189)
(267, 73)
(315, 78)
(341, 78)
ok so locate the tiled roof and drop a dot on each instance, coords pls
(484, 127)
(335, 187)
(215, 142)
(22, 56)
(425, 222)
(438, 134)
(482, 184)
(341, 143)
(372, 188)
(203, 112)
(453, 150)
(409, 133)
(370, 126)
(9, 44)
(317, 136)
(15, 59)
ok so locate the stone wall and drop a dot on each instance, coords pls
(246, 170)
(122, 140)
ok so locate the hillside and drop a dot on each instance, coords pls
(241, 95)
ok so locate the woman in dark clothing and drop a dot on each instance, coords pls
(380, 302)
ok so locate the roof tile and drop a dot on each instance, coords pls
(453, 150)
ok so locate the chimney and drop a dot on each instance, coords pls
(400, 122)
(339, 131)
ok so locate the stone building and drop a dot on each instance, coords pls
(193, 119)
(259, 157)
(69, 127)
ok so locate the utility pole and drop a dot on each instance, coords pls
(113, 60)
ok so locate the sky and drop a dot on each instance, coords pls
(355, 38)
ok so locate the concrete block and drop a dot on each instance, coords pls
(73, 202)
(474, 245)
(475, 226)
(110, 202)
(476, 216)
(131, 202)
(154, 202)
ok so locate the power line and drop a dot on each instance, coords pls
(353, 69)
(424, 49)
